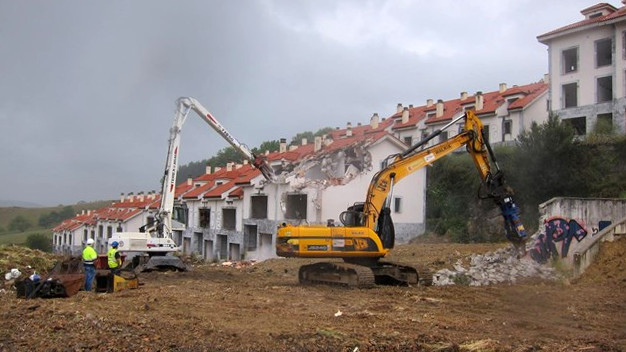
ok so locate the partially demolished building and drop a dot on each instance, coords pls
(233, 213)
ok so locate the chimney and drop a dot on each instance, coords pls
(238, 166)
(463, 95)
(546, 77)
(429, 103)
(410, 106)
(317, 143)
(479, 100)
(502, 87)
(82, 212)
(131, 197)
(140, 196)
(399, 108)
(326, 140)
(283, 145)
(267, 152)
(122, 198)
(189, 181)
(207, 169)
(305, 141)
(439, 108)
(229, 167)
(405, 115)
(246, 162)
(374, 121)
(349, 129)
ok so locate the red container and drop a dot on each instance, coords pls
(102, 263)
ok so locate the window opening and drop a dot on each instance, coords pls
(570, 60)
(570, 95)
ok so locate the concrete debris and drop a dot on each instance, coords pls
(12, 275)
(239, 264)
(500, 266)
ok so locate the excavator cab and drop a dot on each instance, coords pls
(354, 216)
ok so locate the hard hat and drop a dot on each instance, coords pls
(90, 241)
(114, 244)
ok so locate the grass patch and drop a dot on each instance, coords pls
(20, 237)
(330, 333)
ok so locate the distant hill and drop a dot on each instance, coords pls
(32, 214)
(18, 203)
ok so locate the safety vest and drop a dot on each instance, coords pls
(112, 261)
(89, 255)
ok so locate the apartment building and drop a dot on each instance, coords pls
(587, 68)
(505, 113)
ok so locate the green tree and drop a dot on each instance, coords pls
(451, 193)
(226, 155)
(323, 131)
(39, 241)
(67, 212)
(20, 223)
(297, 139)
(270, 146)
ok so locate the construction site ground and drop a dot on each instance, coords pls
(262, 307)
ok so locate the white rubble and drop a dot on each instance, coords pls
(13, 274)
(500, 266)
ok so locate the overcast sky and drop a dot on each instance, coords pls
(88, 88)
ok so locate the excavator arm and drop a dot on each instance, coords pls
(376, 208)
(256, 160)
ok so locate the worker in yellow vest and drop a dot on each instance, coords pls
(114, 258)
(89, 263)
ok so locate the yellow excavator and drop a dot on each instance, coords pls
(367, 234)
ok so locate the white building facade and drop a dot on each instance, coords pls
(587, 68)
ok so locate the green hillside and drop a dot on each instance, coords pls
(32, 216)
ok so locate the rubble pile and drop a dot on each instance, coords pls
(238, 264)
(500, 266)
(23, 258)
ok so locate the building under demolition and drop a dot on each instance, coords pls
(233, 212)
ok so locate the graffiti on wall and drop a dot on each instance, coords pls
(557, 231)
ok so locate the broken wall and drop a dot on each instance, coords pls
(569, 224)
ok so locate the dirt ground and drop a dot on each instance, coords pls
(263, 308)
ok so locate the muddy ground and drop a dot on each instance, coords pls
(263, 308)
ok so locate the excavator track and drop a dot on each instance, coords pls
(365, 275)
(392, 273)
(343, 274)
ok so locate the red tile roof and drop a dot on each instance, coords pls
(198, 191)
(292, 155)
(217, 191)
(614, 14)
(451, 108)
(533, 92)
